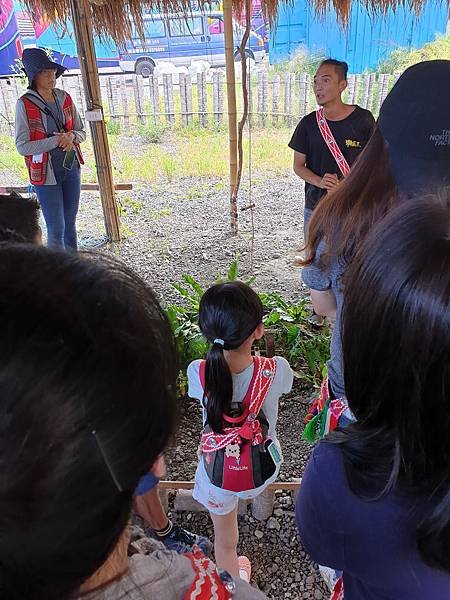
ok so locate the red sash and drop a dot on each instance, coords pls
(331, 143)
(207, 584)
(263, 375)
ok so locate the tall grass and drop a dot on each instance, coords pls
(184, 152)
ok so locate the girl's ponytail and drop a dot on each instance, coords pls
(229, 313)
(218, 386)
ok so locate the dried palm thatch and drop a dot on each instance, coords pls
(114, 17)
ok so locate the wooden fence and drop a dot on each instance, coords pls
(184, 99)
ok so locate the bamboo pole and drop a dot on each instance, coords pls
(232, 113)
(81, 17)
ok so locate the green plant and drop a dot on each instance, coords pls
(128, 204)
(196, 191)
(301, 61)
(402, 58)
(113, 127)
(152, 132)
(125, 231)
(306, 349)
(168, 166)
(162, 212)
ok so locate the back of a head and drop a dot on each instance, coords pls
(87, 373)
(396, 349)
(229, 312)
(19, 219)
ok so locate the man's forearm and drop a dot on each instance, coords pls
(308, 175)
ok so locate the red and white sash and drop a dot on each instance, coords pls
(329, 140)
(263, 376)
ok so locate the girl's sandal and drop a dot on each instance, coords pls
(245, 568)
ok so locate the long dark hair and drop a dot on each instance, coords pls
(345, 216)
(87, 374)
(396, 349)
(19, 219)
(229, 312)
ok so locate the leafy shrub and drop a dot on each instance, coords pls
(305, 348)
(300, 61)
(402, 58)
(113, 127)
(152, 132)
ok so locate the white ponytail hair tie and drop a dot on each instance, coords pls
(219, 341)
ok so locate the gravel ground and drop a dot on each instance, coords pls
(183, 227)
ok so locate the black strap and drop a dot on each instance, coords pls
(46, 109)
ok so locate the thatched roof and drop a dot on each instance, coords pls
(113, 17)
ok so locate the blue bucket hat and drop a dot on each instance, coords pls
(35, 60)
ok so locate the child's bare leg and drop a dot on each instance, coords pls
(226, 537)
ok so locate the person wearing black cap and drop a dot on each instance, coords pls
(376, 258)
(407, 155)
(49, 131)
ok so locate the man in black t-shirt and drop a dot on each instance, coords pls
(350, 125)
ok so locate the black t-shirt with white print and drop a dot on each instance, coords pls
(351, 135)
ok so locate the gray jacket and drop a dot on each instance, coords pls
(163, 575)
(25, 147)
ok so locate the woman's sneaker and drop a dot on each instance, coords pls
(182, 541)
(245, 568)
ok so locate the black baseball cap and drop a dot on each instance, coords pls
(415, 122)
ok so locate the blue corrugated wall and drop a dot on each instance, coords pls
(368, 39)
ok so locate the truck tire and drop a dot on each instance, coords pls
(145, 68)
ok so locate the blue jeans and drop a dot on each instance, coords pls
(306, 218)
(59, 205)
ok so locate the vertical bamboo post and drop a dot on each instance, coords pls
(232, 116)
(220, 96)
(5, 89)
(250, 96)
(81, 17)
(124, 97)
(275, 99)
(154, 96)
(112, 99)
(215, 82)
(138, 89)
(168, 98)
(183, 99)
(201, 99)
(302, 103)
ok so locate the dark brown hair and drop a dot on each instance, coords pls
(396, 349)
(229, 312)
(340, 66)
(345, 216)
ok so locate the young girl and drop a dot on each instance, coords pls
(230, 317)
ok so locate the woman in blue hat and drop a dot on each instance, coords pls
(49, 130)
